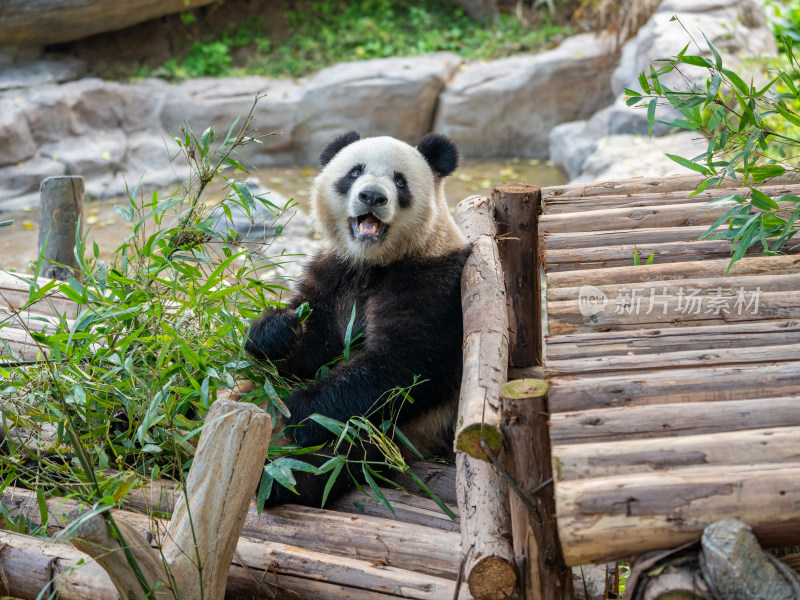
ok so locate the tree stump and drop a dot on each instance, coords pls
(59, 216)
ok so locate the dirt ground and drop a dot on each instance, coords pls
(18, 243)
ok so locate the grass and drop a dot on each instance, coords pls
(324, 33)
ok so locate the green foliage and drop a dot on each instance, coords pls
(745, 145)
(785, 20)
(6, 224)
(333, 31)
(638, 261)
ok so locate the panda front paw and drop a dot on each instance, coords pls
(273, 334)
(304, 431)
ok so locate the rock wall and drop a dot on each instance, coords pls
(53, 121)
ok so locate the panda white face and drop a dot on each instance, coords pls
(379, 199)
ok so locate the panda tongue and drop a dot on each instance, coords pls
(369, 225)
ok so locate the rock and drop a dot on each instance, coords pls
(621, 156)
(148, 159)
(219, 102)
(42, 22)
(387, 96)
(569, 147)
(91, 155)
(24, 178)
(16, 141)
(737, 28)
(34, 73)
(508, 107)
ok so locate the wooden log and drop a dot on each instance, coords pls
(723, 285)
(667, 215)
(605, 257)
(516, 214)
(260, 569)
(207, 519)
(639, 237)
(638, 185)
(610, 518)
(684, 270)
(688, 358)
(485, 529)
(595, 582)
(629, 456)
(561, 204)
(380, 541)
(59, 217)
(668, 420)
(14, 294)
(671, 339)
(438, 477)
(408, 508)
(526, 444)
(672, 386)
(483, 304)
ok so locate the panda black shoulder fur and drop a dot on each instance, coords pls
(393, 249)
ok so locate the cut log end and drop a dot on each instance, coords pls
(493, 578)
(524, 388)
(469, 440)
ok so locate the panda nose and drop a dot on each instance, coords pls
(372, 198)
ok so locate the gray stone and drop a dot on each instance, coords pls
(41, 72)
(569, 147)
(220, 102)
(507, 107)
(25, 178)
(737, 28)
(16, 141)
(388, 96)
(621, 156)
(149, 158)
(91, 155)
(48, 113)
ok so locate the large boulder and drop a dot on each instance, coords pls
(737, 28)
(16, 141)
(507, 107)
(388, 96)
(42, 22)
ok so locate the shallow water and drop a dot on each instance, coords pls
(18, 243)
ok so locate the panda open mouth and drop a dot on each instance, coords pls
(368, 227)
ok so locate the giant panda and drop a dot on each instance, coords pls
(392, 249)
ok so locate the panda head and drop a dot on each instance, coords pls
(379, 199)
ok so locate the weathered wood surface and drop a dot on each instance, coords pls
(40, 22)
(283, 563)
(516, 214)
(485, 529)
(14, 295)
(483, 302)
(196, 548)
(668, 420)
(665, 418)
(60, 223)
(526, 445)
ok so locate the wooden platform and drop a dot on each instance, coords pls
(674, 391)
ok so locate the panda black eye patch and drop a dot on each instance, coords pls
(404, 196)
(343, 184)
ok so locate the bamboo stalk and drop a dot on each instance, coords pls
(485, 355)
(668, 420)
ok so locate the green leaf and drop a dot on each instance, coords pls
(764, 172)
(689, 164)
(264, 490)
(125, 213)
(651, 115)
(303, 312)
(331, 480)
(761, 201)
(717, 57)
(368, 472)
(348, 335)
(331, 425)
(697, 61)
(430, 494)
(713, 87)
(736, 80)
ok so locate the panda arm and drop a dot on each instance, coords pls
(402, 342)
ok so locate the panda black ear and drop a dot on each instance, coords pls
(440, 153)
(333, 148)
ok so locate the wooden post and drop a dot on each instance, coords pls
(485, 529)
(527, 459)
(198, 546)
(59, 216)
(517, 216)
